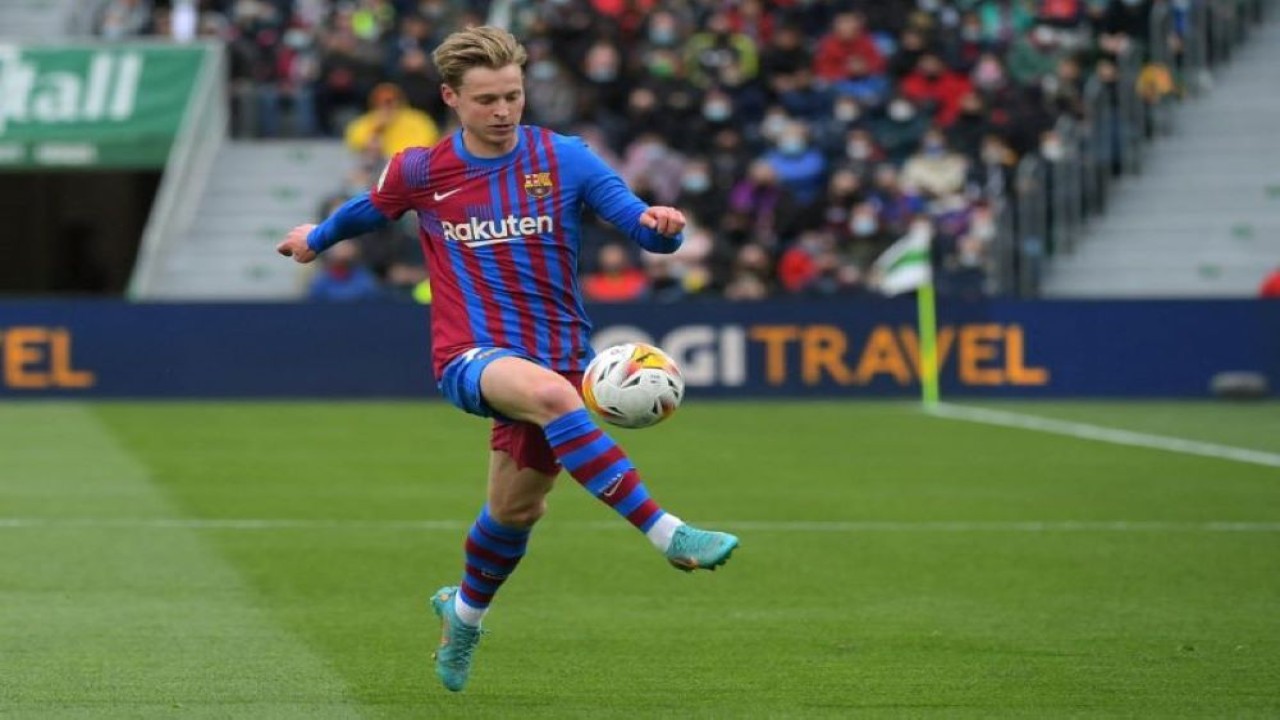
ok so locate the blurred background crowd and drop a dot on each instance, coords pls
(801, 137)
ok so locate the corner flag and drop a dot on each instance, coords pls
(904, 267)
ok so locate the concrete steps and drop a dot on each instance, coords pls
(257, 191)
(1203, 219)
(36, 20)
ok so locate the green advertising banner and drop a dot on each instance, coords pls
(116, 106)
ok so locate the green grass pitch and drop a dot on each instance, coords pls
(254, 560)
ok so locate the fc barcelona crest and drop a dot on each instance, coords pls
(537, 185)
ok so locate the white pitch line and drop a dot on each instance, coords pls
(1099, 433)
(799, 526)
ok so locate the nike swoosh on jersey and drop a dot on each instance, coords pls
(440, 196)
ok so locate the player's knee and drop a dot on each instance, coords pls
(520, 514)
(554, 397)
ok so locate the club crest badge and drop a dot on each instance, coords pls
(537, 185)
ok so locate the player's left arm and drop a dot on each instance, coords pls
(657, 229)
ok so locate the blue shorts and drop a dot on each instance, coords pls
(460, 381)
(526, 443)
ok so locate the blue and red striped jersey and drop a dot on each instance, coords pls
(501, 237)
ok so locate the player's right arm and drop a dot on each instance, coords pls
(363, 213)
(356, 217)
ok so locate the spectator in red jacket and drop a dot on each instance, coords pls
(933, 84)
(617, 279)
(1271, 286)
(848, 39)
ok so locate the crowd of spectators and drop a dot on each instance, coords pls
(801, 137)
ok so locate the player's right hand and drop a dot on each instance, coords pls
(295, 245)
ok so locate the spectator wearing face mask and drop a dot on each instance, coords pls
(811, 266)
(868, 88)
(751, 275)
(717, 113)
(409, 65)
(806, 99)
(1012, 110)
(551, 95)
(663, 100)
(602, 69)
(709, 51)
(844, 191)
(868, 235)
(911, 45)
(1064, 89)
(829, 133)
(896, 203)
(727, 160)
(899, 129)
(961, 47)
(800, 167)
(746, 93)
(351, 64)
(786, 54)
(753, 19)
(847, 39)
(1003, 21)
(698, 195)
(970, 127)
(651, 162)
(861, 153)
(616, 278)
(761, 209)
(663, 29)
(989, 77)
(604, 91)
(1034, 56)
(936, 170)
(993, 169)
(965, 253)
(1124, 25)
(936, 86)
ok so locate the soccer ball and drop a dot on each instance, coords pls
(633, 385)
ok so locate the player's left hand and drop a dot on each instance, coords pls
(664, 220)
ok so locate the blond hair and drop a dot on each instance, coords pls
(484, 46)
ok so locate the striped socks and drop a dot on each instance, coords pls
(600, 466)
(492, 552)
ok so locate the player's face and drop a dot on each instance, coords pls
(489, 104)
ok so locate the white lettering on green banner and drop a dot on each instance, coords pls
(109, 105)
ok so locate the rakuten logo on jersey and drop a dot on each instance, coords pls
(476, 232)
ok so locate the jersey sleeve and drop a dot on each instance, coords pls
(605, 192)
(406, 173)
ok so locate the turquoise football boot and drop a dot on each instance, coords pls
(694, 549)
(458, 641)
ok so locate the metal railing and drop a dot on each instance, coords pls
(1050, 200)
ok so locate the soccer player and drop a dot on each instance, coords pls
(499, 212)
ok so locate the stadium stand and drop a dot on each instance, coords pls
(803, 137)
(1205, 218)
(26, 19)
(256, 191)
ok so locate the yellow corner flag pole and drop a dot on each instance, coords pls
(928, 330)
